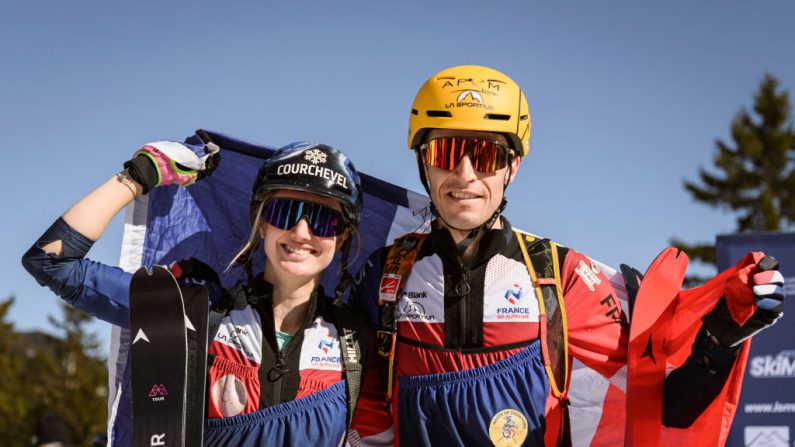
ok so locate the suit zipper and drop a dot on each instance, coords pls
(462, 289)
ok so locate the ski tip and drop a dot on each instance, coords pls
(671, 257)
(673, 252)
(144, 270)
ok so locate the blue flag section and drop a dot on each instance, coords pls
(210, 221)
(766, 413)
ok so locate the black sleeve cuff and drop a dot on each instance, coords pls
(75, 245)
(42, 266)
(143, 171)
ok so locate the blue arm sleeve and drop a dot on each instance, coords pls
(99, 290)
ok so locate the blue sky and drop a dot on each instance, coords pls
(626, 101)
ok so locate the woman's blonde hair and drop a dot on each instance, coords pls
(248, 250)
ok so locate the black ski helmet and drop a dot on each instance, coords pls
(314, 168)
(317, 169)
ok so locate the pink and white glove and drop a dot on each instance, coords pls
(168, 170)
(167, 162)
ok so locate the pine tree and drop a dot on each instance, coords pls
(755, 176)
(15, 408)
(81, 379)
(47, 380)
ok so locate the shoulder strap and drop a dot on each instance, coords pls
(541, 258)
(213, 323)
(234, 298)
(397, 267)
(352, 333)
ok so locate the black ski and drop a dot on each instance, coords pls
(196, 312)
(159, 358)
(632, 279)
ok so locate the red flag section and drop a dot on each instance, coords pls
(664, 325)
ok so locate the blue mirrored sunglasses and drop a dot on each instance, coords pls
(285, 213)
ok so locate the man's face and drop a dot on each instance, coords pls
(464, 197)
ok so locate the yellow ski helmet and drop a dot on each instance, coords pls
(471, 97)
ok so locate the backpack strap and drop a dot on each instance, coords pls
(397, 267)
(352, 332)
(541, 259)
(234, 298)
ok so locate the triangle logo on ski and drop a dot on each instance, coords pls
(141, 336)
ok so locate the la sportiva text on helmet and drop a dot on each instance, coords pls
(471, 97)
(314, 168)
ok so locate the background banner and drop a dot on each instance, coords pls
(766, 413)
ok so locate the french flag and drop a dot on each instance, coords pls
(210, 221)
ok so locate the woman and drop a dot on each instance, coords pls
(267, 384)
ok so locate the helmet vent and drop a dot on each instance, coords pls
(524, 117)
(414, 112)
(497, 117)
(439, 114)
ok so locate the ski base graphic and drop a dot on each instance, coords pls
(159, 358)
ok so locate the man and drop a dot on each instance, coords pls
(480, 325)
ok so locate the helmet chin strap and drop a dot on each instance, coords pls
(345, 276)
(462, 246)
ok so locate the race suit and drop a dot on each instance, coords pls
(469, 368)
(257, 393)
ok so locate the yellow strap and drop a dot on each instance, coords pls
(563, 319)
(529, 264)
(391, 373)
(556, 391)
